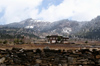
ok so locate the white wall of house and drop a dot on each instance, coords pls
(53, 41)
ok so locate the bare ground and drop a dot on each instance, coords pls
(51, 46)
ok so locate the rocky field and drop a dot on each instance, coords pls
(49, 57)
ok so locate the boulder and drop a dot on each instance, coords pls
(38, 61)
(2, 60)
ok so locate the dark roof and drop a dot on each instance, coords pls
(65, 38)
(54, 36)
(57, 36)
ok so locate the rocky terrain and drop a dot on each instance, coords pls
(49, 57)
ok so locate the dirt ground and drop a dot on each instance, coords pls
(51, 46)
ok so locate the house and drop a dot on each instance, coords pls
(53, 39)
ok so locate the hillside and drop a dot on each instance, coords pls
(58, 27)
(36, 25)
(32, 27)
(10, 33)
(91, 29)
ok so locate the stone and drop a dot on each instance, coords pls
(56, 59)
(46, 47)
(2, 60)
(49, 57)
(63, 60)
(80, 65)
(2, 64)
(38, 61)
(16, 60)
(97, 56)
(65, 64)
(59, 64)
(70, 59)
(36, 65)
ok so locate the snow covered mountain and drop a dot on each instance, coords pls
(61, 27)
(64, 26)
(30, 23)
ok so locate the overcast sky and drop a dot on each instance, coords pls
(48, 10)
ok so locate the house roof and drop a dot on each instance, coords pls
(57, 36)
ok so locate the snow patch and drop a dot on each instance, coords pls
(67, 30)
(39, 21)
(29, 27)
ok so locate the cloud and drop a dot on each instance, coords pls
(80, 10)
(18, 10)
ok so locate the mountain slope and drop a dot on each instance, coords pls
(29, 23)
(60, 27)
(64, 26)
(91, 29)
(11, 33)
